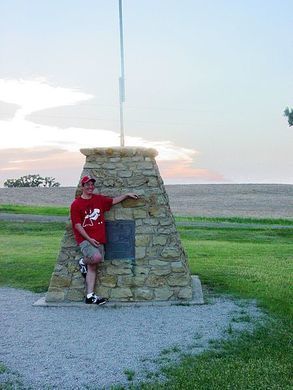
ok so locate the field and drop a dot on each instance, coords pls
(207, 200)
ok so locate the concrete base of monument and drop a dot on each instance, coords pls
(197, 299)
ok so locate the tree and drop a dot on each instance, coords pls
(289, 114)
(32, 181)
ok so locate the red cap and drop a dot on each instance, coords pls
(86, 179)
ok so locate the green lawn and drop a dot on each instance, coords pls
(253, 263)
(39, 210)
(258, 264)
(28, 253)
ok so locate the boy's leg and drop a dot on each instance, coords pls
(92, 257)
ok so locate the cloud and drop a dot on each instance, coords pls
(28, 146)
(37, 94)
(184, 172)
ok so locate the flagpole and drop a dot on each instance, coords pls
(121, 78)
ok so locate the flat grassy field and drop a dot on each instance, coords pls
(28, 253)
(250, 263)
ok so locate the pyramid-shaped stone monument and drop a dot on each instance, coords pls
(145, 260)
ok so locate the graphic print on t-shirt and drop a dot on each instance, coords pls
(90, 217)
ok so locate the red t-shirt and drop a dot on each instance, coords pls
(90, 214)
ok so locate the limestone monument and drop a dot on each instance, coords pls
(145, 260)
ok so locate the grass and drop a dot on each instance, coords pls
(246, 263)
(241, 220)
(28, 253)
(35, 210)
(243, 262)
(259, 361)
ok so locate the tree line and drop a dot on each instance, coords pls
(32, 181)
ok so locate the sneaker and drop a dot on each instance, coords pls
(94, 299)
(82, 267)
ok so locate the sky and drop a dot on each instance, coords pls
(206, 84)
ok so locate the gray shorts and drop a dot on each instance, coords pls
(88, 250)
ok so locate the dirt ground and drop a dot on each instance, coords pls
(246, 200)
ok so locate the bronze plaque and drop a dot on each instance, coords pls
(120, 240)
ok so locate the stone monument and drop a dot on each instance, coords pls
(145, 260)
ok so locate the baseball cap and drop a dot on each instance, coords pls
(86, 179)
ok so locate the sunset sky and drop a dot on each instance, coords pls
(206, 85)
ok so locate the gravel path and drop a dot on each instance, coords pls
(51, 348)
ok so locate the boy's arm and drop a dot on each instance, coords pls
(120, 198)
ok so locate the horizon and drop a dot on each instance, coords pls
(170, 184)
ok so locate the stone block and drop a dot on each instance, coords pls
(145, 165)
(77, 282)
(145, 229)
(155, 280)
(163, 271)
(166, 230)
(157, 211)
(166, 221)
(139, 213)
(158, 263)
(108, 280)
(160, 240)
(163, 293)
(124, 173)
(154, 251)
(162, 200)
(58, 281)
(130, 203)
(140, 267)
(153, 182)
(180, 280)
(122, 263)
(135, 181)
(177, 266)
(171, 252)
(143, 294)
(55, 295)
(121, 293)
(72, 267)
(91, 165)
(103, 291)
(185, 293)
(122, 213)
(112, 270)
(151, 221)
(140, 252)
(131, 281)
(149, 172)
(109, 182)
(111, 165)
(142, 240)
(75, 295)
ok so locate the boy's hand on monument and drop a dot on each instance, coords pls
(120, 198)
(132, 195)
